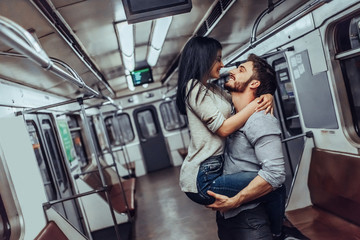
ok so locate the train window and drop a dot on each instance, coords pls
(77, 140)
(171, 116)
(287, 97)
(347, 34)
(119, 129)
(5, 229)
(54, 154)
(147, 124)
(348, 47)
(43, 165)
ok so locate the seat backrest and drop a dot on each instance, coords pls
(51, 232)
(93, 179)
(334, 183)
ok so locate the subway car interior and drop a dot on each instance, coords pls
(91, 139)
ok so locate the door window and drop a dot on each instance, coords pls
(54, 155)
(43, 165)
(147, 124)
(171, 117)
(347, 35)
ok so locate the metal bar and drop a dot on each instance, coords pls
(293, 117)
(28, 46)
(93, 150)
(13, 40)
(236, 64)
(55, 22)
(308, 134)
(47, 205)
(305, 11)
(259, 18)
(347, 54)
(90, 172)
(31, 110)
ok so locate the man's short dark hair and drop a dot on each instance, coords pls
(263, 72)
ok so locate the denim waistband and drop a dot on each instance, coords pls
(219, 158)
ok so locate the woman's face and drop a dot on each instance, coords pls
(217, 65)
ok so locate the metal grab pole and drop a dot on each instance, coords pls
(308, 134)
(114, 162)
(252, 44)
(31, 110)
(93, 150)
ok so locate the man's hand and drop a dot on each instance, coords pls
(222, 203)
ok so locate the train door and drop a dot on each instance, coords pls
(53, 171)
(151, 139)
(287, 113)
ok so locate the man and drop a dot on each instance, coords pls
(254, 149)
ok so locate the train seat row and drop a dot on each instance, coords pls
(117, 190)
(335, 209)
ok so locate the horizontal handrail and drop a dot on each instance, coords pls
(48, 204)
(31, 110)
(308, 134)
(18, 38)
(253, 43)
(76, 176)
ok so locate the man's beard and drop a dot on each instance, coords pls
(238, 86)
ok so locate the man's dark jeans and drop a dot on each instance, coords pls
(210, 178)
(248, 224)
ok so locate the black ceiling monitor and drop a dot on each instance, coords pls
(142, 76)
(143, 10)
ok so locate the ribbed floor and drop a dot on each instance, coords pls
(165, 213)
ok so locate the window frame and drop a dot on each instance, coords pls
(343, 86)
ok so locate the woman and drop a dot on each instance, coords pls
(208, 109)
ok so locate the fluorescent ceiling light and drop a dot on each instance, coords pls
(157, 39)
(153, 56)
(126, 39)
(130, 83)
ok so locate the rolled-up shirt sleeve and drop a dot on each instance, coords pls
(264, 135)
(204, 107)
(268, 151)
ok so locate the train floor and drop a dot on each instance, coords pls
(165, 213)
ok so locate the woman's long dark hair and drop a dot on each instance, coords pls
(196, 60)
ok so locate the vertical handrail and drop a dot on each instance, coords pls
(93, 151)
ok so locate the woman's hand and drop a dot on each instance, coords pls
(265, 102)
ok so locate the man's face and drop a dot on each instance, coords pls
(240, 77)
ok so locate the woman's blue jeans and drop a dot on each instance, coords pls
(210, 178)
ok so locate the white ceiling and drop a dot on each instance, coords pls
(91, 24)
